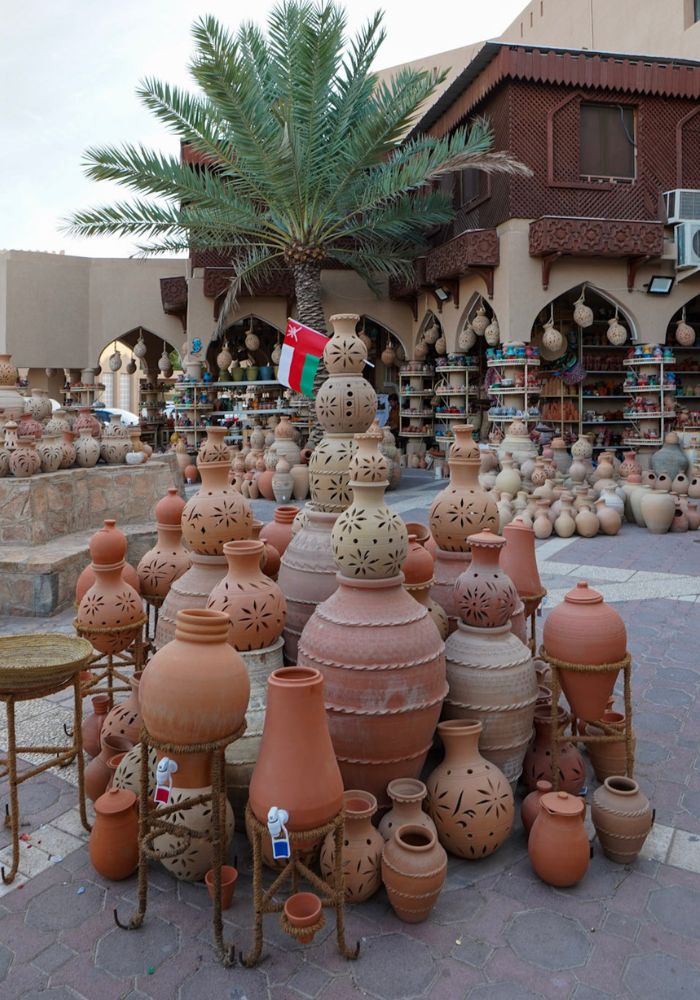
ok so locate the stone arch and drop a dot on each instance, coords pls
(691, 308)
(609, 301)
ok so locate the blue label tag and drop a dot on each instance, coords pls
(280, 848)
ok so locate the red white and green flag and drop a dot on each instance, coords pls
(302, 350)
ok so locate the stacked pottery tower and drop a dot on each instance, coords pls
(346, 404)
(378, 649)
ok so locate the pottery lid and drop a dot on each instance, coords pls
(583, 594)
(108, 545)
(563, 804)
(116, 800)
(487, 539)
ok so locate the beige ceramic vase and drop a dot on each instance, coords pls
(463, 508)
(50, 452)
(214, 447)
(658, 509)
(167, 560)
(216, 514)
(87, 448)
(469, 798)
(362, 849)
(25, 460)
(254, 603)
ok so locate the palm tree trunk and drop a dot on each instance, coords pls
(307, 286)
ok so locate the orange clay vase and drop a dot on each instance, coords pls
(98, 771)
(530, 806)
(385, 679)
(217, 513)
(484, 593)
(191, 590)
(270, 559)
(114, 840)
(469, 798)
(537, 765)
(622, 817)
(463, 508)
(87, 577)
(414, 868)
(253, 602)
(168, 559)
(278, 532)
(296, 768)
(362, 849)
(558, 846)
(92, 724)
(111, 606)
(407, 796)
(519, 562)
(124, 719)
(214, 447)
(584, 629)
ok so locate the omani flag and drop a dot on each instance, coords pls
(302, 350)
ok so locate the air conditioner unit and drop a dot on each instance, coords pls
(682, 205)
(688, 244)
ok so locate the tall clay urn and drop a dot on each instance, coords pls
(217, 513)
(463, 508)
(583, 629)
(519, 562)
(557, 845)
(296, 769)
(168, 559)
(469, 798)
(253, 602)
(110, 613)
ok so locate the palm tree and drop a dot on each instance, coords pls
(307, 160)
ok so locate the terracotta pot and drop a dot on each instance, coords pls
(110, 603)
(462, 509)
(519, 562)
(308, 574)
(270, 558)
(214, 448)
(253, 602)
(583, 629)
(407, 796)
(88, 421)
(492, 680)
(303, 909)
(191, 590)
(296, 718)
(362, 849)
(609, 759)
(124, 719)
(669, 459)
(50, 452)
(622, 817)
(279, 531)
(421, 531)
(191, 861)
(25, 460)
(558, 846)
(418, 566)
(484, 594)
(587, 523)
(414, 868)
(530, 806)
(658, 510)
(168, 559)
(469, 798)
(87, 577)
(98, 772)
(449, 566)
(29, 427)
(508, 479)
(630, 465)
(229, 877)
(92, 724)
(217, 513)
(537, 765)
(114, 840)
(385, 680)
(609, 520)
(68, 448)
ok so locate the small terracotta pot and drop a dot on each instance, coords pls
(622, 817)
(362, 848)
(407, 795)
(92, 724)
(229, 877)
(530, 806)
(558, 846)
(114, 847)
(414, 866)
(303, 909)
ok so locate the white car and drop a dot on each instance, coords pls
(103, 413)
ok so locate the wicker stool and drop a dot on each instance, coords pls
(31, 667)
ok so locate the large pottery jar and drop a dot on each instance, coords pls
(622, 817)
(253, 602)
(278, 532)
(362, 849)
(584, 630)
(217, 513)
(50, 452)
(191, 590)
(558, 846)
(463, 508)
(469, 798)
(25, 460)
(87, 448)
(519, 562)
(114, 840)
(384, 667)
(657, 511)
(296, 769)
(537, 765)
(407, 796)
(414, 868)
(167, 560)
(669, 459)
(110, 613)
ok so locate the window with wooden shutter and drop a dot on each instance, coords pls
(607, 147)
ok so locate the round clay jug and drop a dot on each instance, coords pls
(217, 513)
(50, 452)
(537, 765)
(253, 602)
(114, 840)
(296, 718)
(87, 577)
(587, 523)
(407, 796)
(609, 520)
(658, 510)
(87, 448)
(542, 525)
(530, 806)
(462, 509)
(385, 679)
(168, 559)
(25, 460)
(124, 718)
(195, 689)
(362, 849)
(584, 629)
(484, 594)
(558, 846)
(278, 532)
(92, 724)
(469, 798)
(414, 868)
(110, 612)
(622, 817)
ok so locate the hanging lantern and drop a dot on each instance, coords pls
(131, 366)
(224, 358)
(115, 359)
(441, 346)
(276, 354)
(480, 322)
(466, 339)
(140, 349)
(165, 364)
(492, 333)
(365, 338)
(685, 334)
(252, 341)
(432, 331)
(421, 351)
(617, 333)
(583, 314)
(400, 353)
(388, 354)
(552, 340)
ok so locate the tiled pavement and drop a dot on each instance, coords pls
(497, 932)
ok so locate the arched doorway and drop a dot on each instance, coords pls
(683, 336)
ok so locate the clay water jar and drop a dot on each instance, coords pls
(253, 602)
(110, 603)
(303, 909)
(519, 562)
(114, 839)
(622, 817)
(407, 796)
(278, 532)
(362, 848)
(530, 806)
(92, 724)
(229, 877)
(168, 559)
(414, 867)
(217, 513)
(558, 846)
(463, 508)
(87, 577)
(484, 593)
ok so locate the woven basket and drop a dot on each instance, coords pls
(40, 660)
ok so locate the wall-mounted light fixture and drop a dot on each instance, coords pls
(660, 284)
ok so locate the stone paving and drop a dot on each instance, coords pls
(497, 932)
